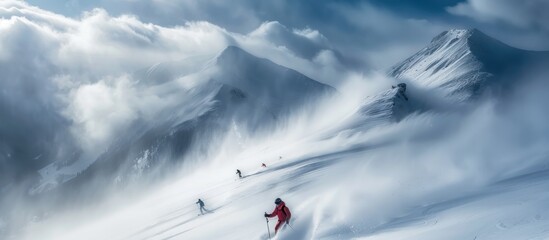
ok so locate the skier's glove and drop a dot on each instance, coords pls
(266, 215)
(288, 221)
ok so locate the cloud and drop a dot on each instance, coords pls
(77, 84)
(380, 36)
(172, 13)
(387, 31)
(16, 8)
(100, 109)
(69, 79)
(30, 122)
(107, 43)
(53, 65)
(528, 14)
(305, 42)
(359, 30)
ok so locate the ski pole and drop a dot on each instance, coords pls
(268, 230)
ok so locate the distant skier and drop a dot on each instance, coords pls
(239, 173)
(264, 165)
(201, 204)
(282, 212)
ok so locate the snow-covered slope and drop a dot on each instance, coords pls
(336, 189)
(236, 90)
(510, 209)
(386, 107)
(463, 63)
(392, 104)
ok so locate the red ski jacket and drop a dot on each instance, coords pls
(282, 212)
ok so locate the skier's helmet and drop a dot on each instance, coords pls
(278, 201)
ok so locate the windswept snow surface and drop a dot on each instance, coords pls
(462, 63)
(463, 175)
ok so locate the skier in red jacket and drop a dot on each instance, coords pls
(282, 212)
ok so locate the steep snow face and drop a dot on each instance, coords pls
(446, 63)
(462, 63)
(392, 104)
(386, 107)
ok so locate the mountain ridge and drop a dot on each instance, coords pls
(464, 63)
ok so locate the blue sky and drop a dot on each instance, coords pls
(413, 9)
(519, 23)
(416, 7)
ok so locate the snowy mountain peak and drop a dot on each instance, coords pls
(461, 62)
(473, 37)
(453, 34)
(232, 52)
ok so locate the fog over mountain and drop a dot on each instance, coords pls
(369, 119)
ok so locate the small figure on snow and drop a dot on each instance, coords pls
(282, 212)
(264, 165)
(201, 204)
(239, 173)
